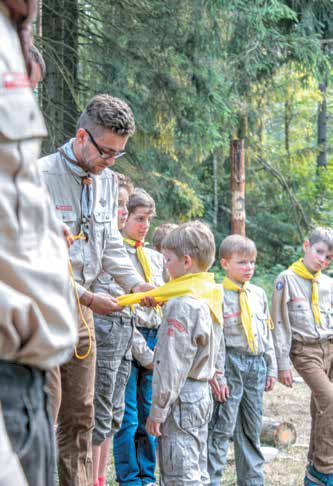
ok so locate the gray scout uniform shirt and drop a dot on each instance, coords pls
(234, 334)
(37, 325)
(293, 316)
(145, 316)
(187, 347)
(104, 249)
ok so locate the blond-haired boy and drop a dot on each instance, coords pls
(250, 367)
(303, 335)
(185, 359)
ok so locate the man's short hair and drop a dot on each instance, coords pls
(37, 57)
(106, 112)
(194, 239)
(160, 232)
(322, 234)
(141, 198)
(124, 182)
(237, 245)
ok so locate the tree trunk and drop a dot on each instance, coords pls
(277, 434)
(322, 127)
(237, 162)
(215, 191)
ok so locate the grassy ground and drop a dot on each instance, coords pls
(287, 469)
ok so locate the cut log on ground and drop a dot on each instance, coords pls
(278, 434)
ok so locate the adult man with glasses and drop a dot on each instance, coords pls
(85, 198)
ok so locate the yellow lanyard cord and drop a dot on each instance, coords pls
(77, 355)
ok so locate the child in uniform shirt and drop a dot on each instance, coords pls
(303, 334)
(250, 367)
(159, 233)
(134, 450)
(185, 359)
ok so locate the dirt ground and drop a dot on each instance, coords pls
(287, 469)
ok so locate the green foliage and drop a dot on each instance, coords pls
(197, 73)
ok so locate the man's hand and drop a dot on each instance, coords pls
(100, 303)
(153, 428)
(286, 378)
(270, 382)
(149, 366)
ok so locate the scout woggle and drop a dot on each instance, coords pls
(197, 285)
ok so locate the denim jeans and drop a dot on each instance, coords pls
(28, 419)
(239, 417)
(135, 450)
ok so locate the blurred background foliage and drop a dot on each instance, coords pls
(197, 74)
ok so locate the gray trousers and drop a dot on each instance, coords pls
(182, 448)
(29, 422)
(114, 336)
(239, 417)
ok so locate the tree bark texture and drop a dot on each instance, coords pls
(237, 159)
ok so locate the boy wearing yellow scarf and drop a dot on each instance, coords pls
(186, 356)
(303, 336)
(134, 450)
(250, 367)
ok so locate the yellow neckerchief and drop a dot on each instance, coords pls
(198, 285)
(300, 269)
(142, 257)
(245, 311)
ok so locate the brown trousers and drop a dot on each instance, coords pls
(72, 393)
(314, 362)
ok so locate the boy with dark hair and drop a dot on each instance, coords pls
(250, 367)
(135, 450)
(159, 233)
(303, 335)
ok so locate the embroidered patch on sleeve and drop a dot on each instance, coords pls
(279, 285)
(176, 324)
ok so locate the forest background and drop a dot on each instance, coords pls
(198, 74)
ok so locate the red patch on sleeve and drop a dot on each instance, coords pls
(15, 80)
(170, 331)
(64, 208)
(176, 324)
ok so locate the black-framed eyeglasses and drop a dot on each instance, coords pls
(105, 154)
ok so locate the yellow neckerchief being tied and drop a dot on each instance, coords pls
(198, 285)
(142, 257)
(300, 269)
(246, 319)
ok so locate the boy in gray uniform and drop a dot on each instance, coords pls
(303, 334)
(185, 360)
(134, 449)
(250, 367)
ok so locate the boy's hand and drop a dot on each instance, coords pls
(153, 428)
(224, 393)
(270, 382)
(286, 378)
(149, 366)
(215, 386)
(144, 287)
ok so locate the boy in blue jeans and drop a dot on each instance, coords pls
(134, 449)
(250, 367)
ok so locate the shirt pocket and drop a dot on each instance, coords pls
(232, 319)
(299, 312)
(20, 118)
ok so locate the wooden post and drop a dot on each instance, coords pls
(237, 160)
